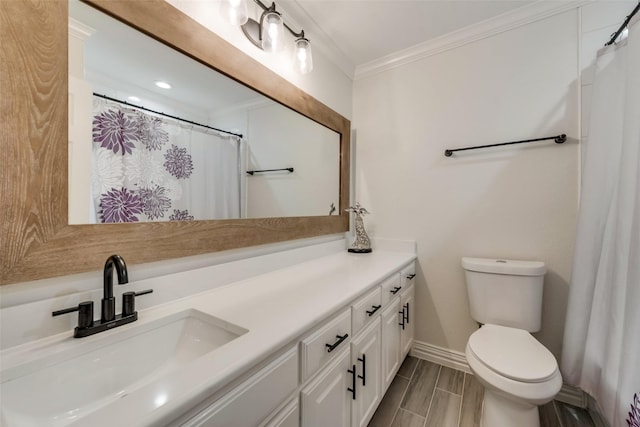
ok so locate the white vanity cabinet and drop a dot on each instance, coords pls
(382, 328)
(254, 399)
(346, 392)
(337, 372)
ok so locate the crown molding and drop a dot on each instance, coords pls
(490, 27)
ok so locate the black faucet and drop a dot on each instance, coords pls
(108, 319)
(108, 300)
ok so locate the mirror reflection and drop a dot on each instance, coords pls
(142, 152)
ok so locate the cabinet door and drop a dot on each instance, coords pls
(326, 401)
(365, 355)
(408, 319)
(390, 342)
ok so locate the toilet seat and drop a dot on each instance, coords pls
(513, 353)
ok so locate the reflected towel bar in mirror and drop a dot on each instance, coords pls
(270, 170)
(559, 139)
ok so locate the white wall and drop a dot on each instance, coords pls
(515, 202)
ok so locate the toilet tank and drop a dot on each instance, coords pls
(505, 292)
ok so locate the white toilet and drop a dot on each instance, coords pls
(518, 372)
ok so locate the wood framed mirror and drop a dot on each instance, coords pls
(36, 240)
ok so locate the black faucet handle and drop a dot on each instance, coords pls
(85, 313)
(129, 301)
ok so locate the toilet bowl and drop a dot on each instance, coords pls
(518, 374)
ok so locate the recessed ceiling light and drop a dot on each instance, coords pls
(163, 85)
(133, 98)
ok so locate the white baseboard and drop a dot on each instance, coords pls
(457, 360)
(572, 395)
(442, 356)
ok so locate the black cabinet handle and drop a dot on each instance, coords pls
(411, 276)
(395, 290)
(331, 347)
(375, 308)
(406, 316)
(403, 318)
(363, 377)
(352, 371)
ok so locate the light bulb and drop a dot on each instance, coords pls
(302, 59)
(272, 32)
(234, 11)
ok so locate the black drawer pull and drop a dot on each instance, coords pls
(406, 315)
(363, 377)
(375, 308)
(395, 290)
(352, 371)
(411, 276)
(403, 318)
(331, 347)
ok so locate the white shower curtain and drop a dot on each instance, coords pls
(150, 168)
(601, 350)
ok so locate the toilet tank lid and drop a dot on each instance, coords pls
(504, 266)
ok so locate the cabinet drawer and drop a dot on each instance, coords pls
(319, 347)
(390, 287)
(365, 309)
(254, 399)
(408, 275)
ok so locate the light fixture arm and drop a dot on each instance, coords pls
(272, 8)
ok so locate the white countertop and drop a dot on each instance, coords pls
(276, 308)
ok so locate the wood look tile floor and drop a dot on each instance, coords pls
(424, 394)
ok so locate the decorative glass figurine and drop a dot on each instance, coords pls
(362, 244)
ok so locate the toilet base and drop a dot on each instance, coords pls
(500, 411)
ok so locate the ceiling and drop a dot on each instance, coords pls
(368, 30)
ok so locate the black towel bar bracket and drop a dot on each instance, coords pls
(270, 170)
(559, 139)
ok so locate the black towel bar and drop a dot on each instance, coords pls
(270, 170)
(559, 139)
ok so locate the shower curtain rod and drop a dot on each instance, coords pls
(164, 114)
(623, 26)
(559, 139)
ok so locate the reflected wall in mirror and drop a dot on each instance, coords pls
(147, 153)
(37, 241)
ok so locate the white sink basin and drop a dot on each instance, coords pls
(60, 388)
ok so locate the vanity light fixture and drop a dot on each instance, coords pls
(163, 85)
(268, 34)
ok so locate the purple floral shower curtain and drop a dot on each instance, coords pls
(147, 168)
